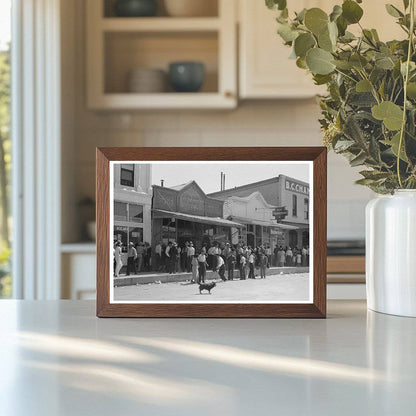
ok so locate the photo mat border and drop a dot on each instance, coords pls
(316, 309)
(194, 162)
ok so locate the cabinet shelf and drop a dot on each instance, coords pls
(198, 100)
(160, 24)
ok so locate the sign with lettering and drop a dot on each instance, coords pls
(297, 187)
(192, 201)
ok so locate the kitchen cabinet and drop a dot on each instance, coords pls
(116, 46)
(265, 70)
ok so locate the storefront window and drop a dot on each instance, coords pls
(120, 211)
(136, 213)
(293, 238)
(168, 230)
(121, 234)
(127, 175)
(135, 235)
(294, 206)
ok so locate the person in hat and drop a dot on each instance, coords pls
(202, 266)
(131, 258)
(190, 253)
(173, 258)
(140, 257)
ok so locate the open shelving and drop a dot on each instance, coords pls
(118, 45)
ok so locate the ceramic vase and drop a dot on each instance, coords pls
(391, 253)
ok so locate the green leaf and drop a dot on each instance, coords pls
(412, 67)
(394, 145)
(406, 4)
(321, 79)
(411, 90)
(364, 181)
(358, 61)
(348, 37)
(343, 65)
(342, 25)
(375, 35)
(303, 43)
(385, 63)
(301, 63)
(393, 11)
(363, 86)
(343, 145)
(374, 150)
(319, 61)
(286, 32)
(300, 17)
(374, 175)
(316, 20)
(391, 114)
(336, 12)
(325, 42)
(276, 4)
(358, 160)
(351, 11)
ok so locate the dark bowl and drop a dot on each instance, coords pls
(136, 8)
(186, 76)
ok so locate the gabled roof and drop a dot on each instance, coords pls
(181, 186)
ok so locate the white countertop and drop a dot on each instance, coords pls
(57, 359)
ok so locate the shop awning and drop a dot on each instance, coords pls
(160, 213)
(270, 224)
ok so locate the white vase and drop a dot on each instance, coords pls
(391, 253)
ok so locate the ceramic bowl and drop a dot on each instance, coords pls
(186, 76)
(136, 8)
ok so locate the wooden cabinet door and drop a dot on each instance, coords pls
(265, 68)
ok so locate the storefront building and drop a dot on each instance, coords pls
(260, 226)
(132, 203)
(184, 213)
(281, 191)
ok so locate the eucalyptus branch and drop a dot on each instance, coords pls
(406, 80)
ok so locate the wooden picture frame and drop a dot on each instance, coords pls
(315, 309)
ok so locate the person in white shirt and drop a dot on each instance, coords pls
(202, 266)
(158, 256)
(221, 267)
(251, 260)
(190, 253)
(117, 257)
(242, 267)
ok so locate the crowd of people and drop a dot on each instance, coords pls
(224, 258)
(139, 258)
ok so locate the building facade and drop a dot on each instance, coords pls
(132, 203)
(260, 226)
(281, 191)
(184, 213)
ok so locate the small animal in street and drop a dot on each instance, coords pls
(206, 286)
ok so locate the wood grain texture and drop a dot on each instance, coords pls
(346, 264)
(256, 310)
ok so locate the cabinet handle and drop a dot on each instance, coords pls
(228, 94)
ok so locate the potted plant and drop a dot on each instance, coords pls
(368, 115)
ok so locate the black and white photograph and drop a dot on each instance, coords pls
(211, 232)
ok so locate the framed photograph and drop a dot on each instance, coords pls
(211, 232)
